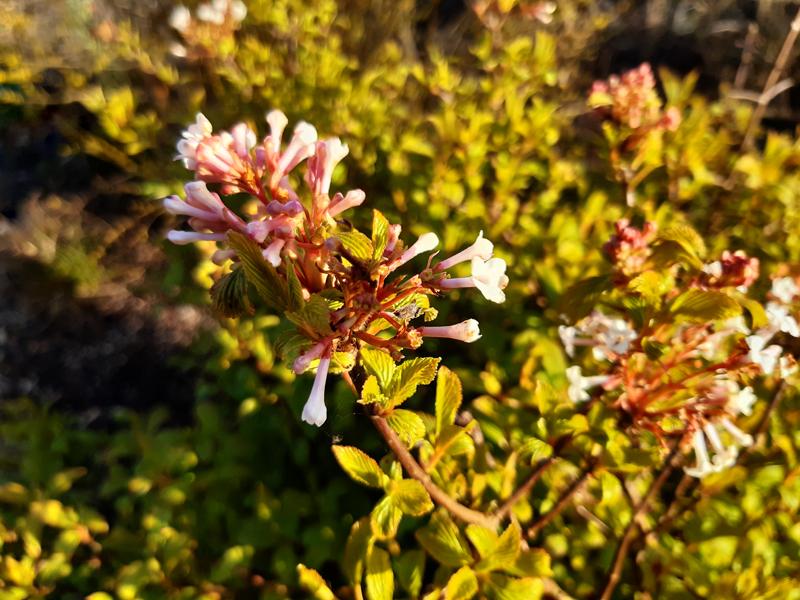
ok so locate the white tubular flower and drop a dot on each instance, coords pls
(277, 122)
(579, 385)
(723, 457)
(314, 411)
(181, 238)
(764, 356)
(742, 438)
(482, 248)
(741, 402)
(425, 243)
(244, 140)
(302, 362)
(618, 336)
(340, 203)
(785, 289)
(466, 331)
(272, 253)
(191, 137)
(703, 466)
(780, 319)
(180, 18)
(490, 278)
(568, 335)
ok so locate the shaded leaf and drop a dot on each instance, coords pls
(229, 295)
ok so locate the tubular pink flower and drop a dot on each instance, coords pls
(466, 331)
(291, 208)
(300, 147)
(303, 362)
(182, 238)
(272, 253)
(314, 411)
(488, 276)
(176, 206)
(340, 203)
(244, 140)
(277, 123)
(425, 243)
(190, 138)
(482, 248)
(327, 154)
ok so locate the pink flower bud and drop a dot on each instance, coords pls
(340, 203)
(466, 331)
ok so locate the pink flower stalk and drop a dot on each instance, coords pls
(315, 412)
(190, 138)
(327, 154)
(181, 238)
(466, 331)
(487, 276)
(482, 248)
(425, 243)
(340, 203)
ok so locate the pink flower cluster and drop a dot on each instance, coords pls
(632, 100)
(629, 247)
(733, 269)
(299, 233)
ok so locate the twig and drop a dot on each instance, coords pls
(747, 56)
(439, 496)
(505, 509)
(772, 80)
(552, 590)
(630, 530)
(562, 502)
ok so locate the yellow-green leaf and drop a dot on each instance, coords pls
(361, 467)
(410, 497)
(448, 398)
(462, 585)
(380, 579)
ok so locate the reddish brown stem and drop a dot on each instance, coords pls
(439, 496)
(562, 502)
(630, 531)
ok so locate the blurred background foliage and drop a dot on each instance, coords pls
(148, 450)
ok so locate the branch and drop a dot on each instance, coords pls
(414, 470)
(527, 485)
(562, 502)
(630, 530)
(772, 80)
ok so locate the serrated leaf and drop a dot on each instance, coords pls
(408, 376)
(380, 578)
(505, 551)
(378, 363)
(686, 237)
(295, 296)
(358, 544)
(484, 540)
(410, 497)
(385, 518)
(501, 587)
(462, 585)
(380, 234)
(535, 448)
(260, 274)
(410, 568)
(314, 584)
(705, 305)
(581, 297)
(371, 392)
(651, 285)
(229, 295)
(448, 398)
(408, 425)
(442, 540)
(532, 563)
(359, 466)
(314, 317)
(356, 244)
(289, 344)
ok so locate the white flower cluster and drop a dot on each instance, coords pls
(609, 337)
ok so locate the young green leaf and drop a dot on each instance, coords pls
(385, 518)
(260, 274)
(505, 551)
(705, 305)
(361, 467)
(380, 234)
(229, 295)
(410, 497)
(380, 578)
(409, 375)
(314, 316)
(410, 568)
(357, 245)
(408, 425)
(462, 585)
(358, 544)
(314, 584)
(448, 398)
(378, 363)
(443, 541)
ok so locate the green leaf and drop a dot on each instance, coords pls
(581, 297)
(408, 425)
(356, 244)
(361, 467)
(651, 285)
(380, 235)
(260, 274)
(314, 584)
(408, 376)
(378, 363)
(448, 398)
(462, 585)
(314, 316)
(443, 541)
(705, 305)
(410, 497)
(653, 348)
(229, 295)
(505, 551)
(358, 544)
(535, 448)
(380, 579)
(501, 587)
(532, 563)
(289, 344)
(758, 316)
(686, 236)
(371, 392)
(296, 299)
(410, 568)
(385, 518)
(484, 540)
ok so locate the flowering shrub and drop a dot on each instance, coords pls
(625, 425)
